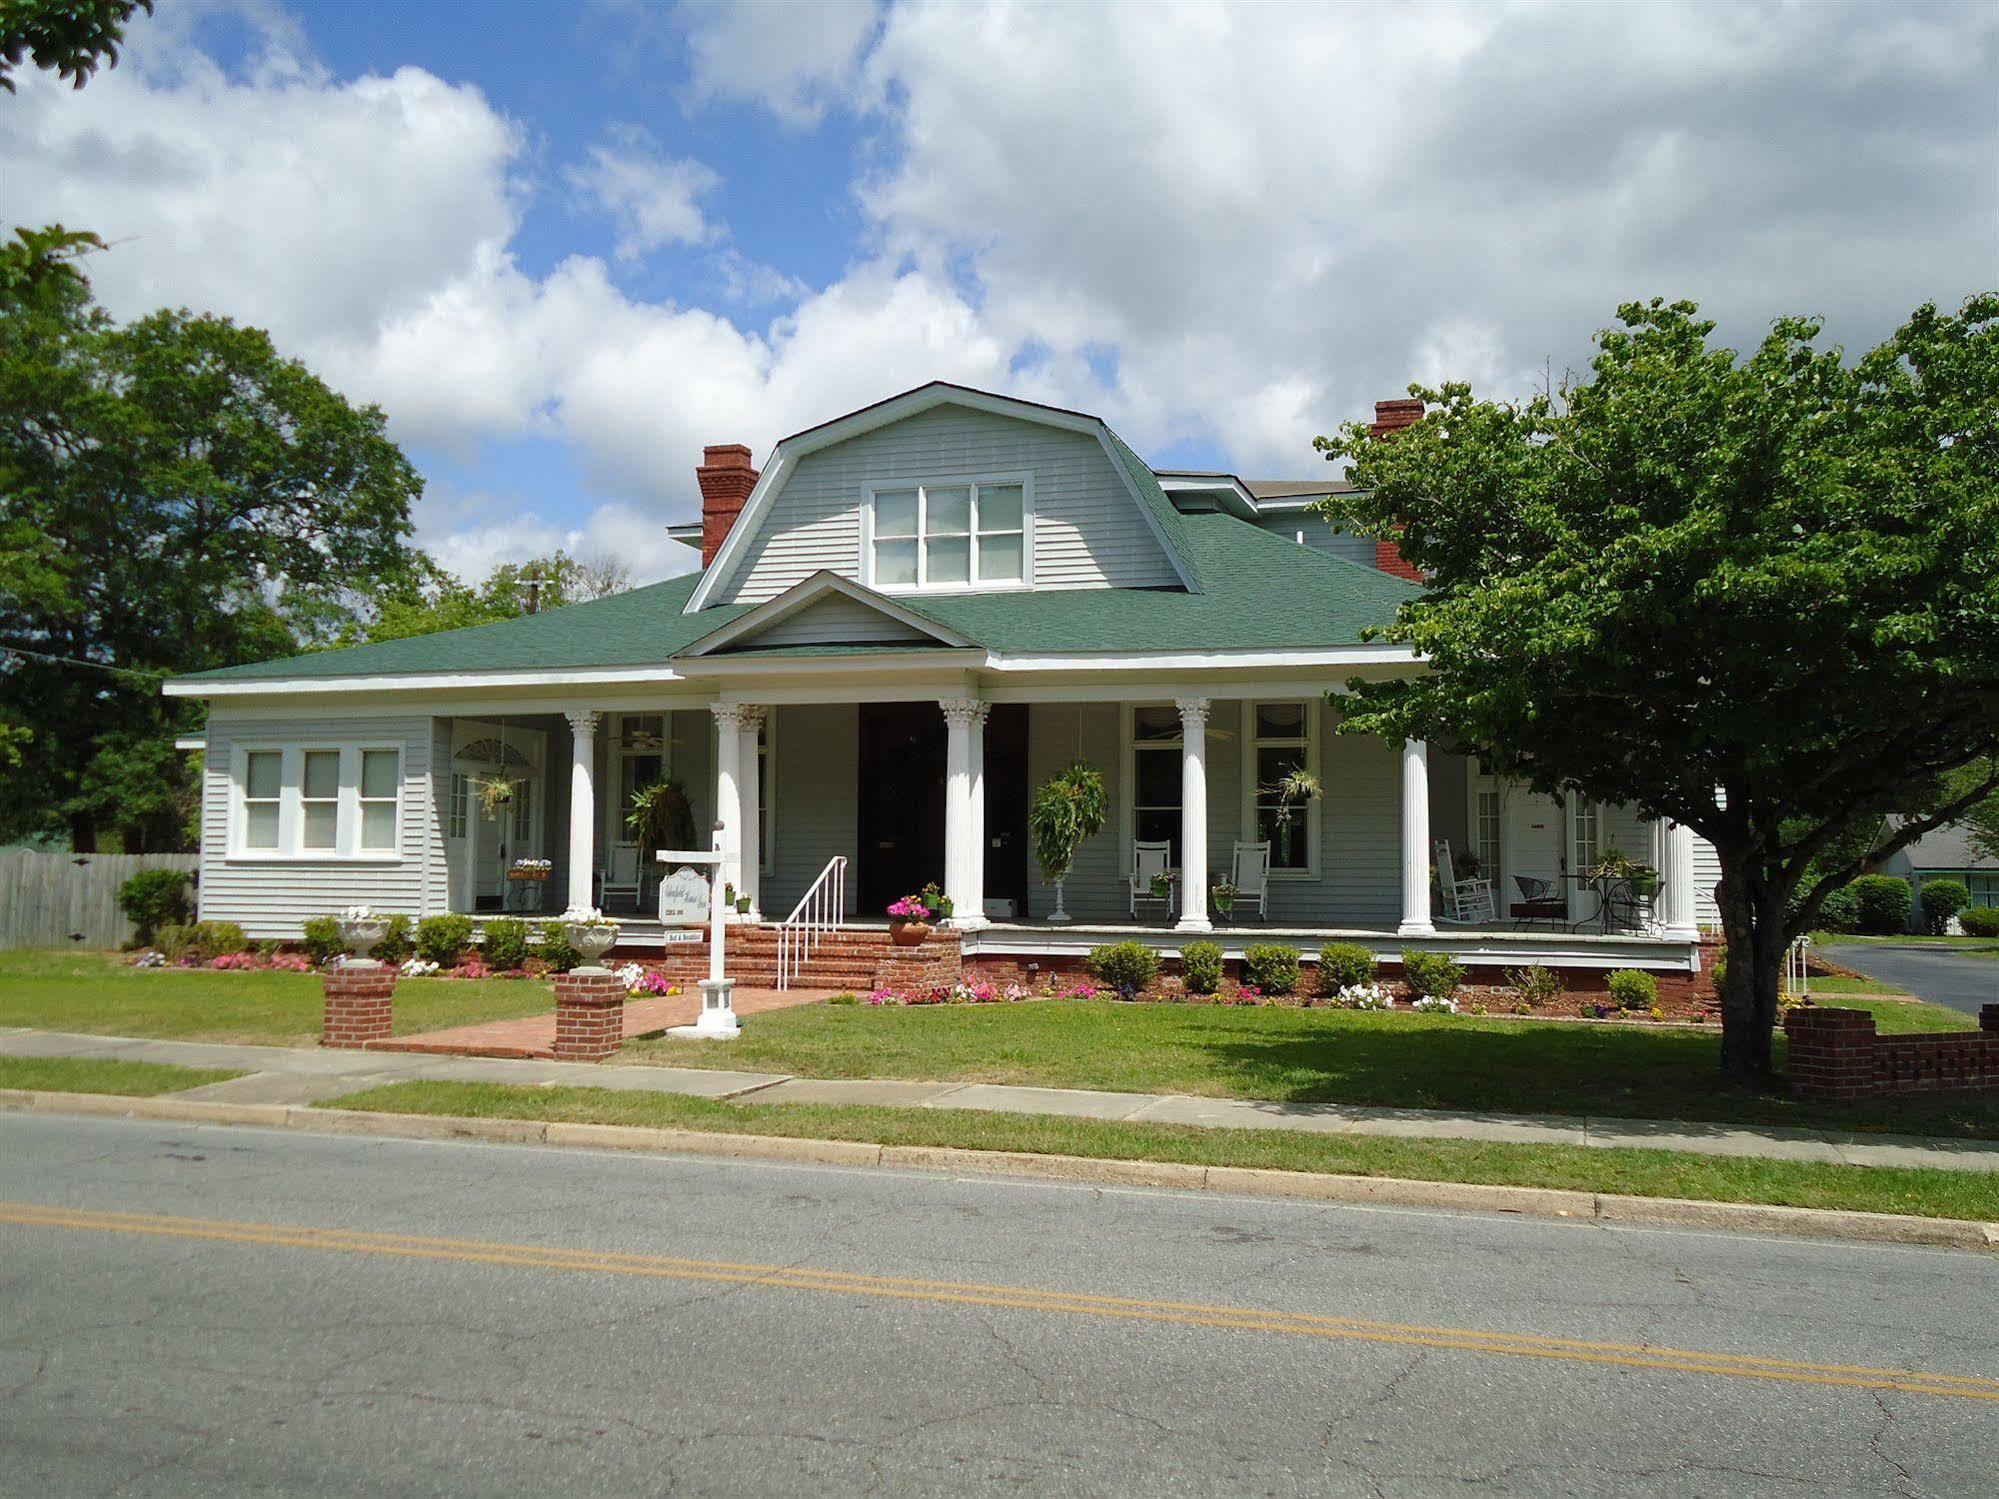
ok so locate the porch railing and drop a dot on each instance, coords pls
(820, 910)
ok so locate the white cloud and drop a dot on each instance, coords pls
(793, 57)
(653, 199)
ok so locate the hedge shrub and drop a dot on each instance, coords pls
(1201, 966)
(1885, 903)
(322, 938)
(1943, 899)
(443, 939)
(1718, 976)
(396, 943)
(1126, 966)
(555, 947)
(1633, 989)
(506, 944)
(154, 898)
(217, 939)
(173, 941)
(1840, 911)
(1270, 967)
(1979, 921)
(1431, 975)
(1342, 965)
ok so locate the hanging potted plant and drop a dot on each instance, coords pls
(496, 794)
(908, 921)
(660, 817)
(1293, 790)
(1068, 809)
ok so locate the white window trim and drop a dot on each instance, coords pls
(866, 573)
(1315, 824)
(291, 804)
(1128, 781)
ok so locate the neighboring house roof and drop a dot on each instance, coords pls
(1947, 847)
(1288, 489)
(1261, 593)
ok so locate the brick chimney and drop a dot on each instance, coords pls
(726, 479)
(1391, 417)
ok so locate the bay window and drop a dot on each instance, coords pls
(963, 533)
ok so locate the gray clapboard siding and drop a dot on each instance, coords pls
(1058, 733)
(274, 897)
(816, 817)
(70, 900)
(1089, 531)
(835, 621)
(1707, 874)
(1293, 525)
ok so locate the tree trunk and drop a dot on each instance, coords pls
(1756, 945)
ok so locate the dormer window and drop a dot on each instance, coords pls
(957, 533)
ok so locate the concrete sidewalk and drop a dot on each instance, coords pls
(287, 1075)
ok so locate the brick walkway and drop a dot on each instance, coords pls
(534, 1035)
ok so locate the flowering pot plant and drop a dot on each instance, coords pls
(1162, 885)
(589, 931)
(1221, 896)
(908, 920)
(362, 929)
(935, 901)
(530, 870)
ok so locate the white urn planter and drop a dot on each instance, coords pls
(591, 939)
(363, 931)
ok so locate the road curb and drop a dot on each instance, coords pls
(1241, 1181)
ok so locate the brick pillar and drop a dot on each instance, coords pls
(589, 1015)
(359, 1002)
(1832, 1053)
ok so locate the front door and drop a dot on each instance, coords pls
(1006, 807)
(901, 802)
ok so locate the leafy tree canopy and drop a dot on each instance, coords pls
(431, 599)
(175, 494)
(1759, 596)
(72, 37)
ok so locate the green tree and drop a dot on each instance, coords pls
(174, 495)
(431, 599)
(72, 37)
(1759, 596)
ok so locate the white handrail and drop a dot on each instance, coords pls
(821, 909)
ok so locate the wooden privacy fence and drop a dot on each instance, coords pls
(70, 900)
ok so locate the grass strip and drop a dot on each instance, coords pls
(104, 1075)
(1644, 1173)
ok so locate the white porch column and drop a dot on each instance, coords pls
(750, 794)
(582, 806)
(1677, 918)
(1193, 813)
(1416, 840)
(728, 792)
(973, 913)
(959, 715)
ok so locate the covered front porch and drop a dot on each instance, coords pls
(883, 787)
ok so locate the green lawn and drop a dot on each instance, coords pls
(1898, 1017)
(1988, 946)
(100, 993)
(103, 1075)
(1399, 1059)
(1646, 1173)
(1821, 987)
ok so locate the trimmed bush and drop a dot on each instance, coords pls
(1719, 975)
(1979, 921)
(173, 941)
(554, 947)
(154, 898)
(1201, 966)
(1126, 966)
(506, 944)
(1885, 903)
(1633, 989)
(1536, 984)
(217, 939)
(1343, 965)
(1943, 899)
(322, 938)
(1271, 967)
(1431, 975)
(443, 939)
(396, 943)
(1840, 911)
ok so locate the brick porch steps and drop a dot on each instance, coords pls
(851, 959)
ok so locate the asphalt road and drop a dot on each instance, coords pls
(189, 1309)
(1942, 975)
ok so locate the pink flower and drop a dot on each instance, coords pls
(910, 907)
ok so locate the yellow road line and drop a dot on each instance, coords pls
(1023, 1298)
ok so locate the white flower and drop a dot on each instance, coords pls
(416, 968)
(584, 916)
(1365, 997)
(1435, 1004)
(358, 913)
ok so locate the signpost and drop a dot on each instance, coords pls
(686, 896)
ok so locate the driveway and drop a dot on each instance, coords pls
(1942, 975)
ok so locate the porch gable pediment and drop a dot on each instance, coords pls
(827, 610)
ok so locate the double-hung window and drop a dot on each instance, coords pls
(1286, 813)
(381, 790)
(319, 801)
(962, 534)
(263, 788)
(1156, 777)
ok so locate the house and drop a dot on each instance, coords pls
(908, 620)
(1945, 853)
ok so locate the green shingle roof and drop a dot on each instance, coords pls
(1259, 592)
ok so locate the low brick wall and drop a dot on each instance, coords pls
(589, 1016)
(360, 1004)
(1836, 1055)
(938, 961)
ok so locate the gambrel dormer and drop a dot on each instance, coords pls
(945, 491)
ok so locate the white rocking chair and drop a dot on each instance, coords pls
(621, 877)
(1465, 900)
(1147, 860)
(1249, 872)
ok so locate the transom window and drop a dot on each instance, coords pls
(1281, 748)
(962, 534)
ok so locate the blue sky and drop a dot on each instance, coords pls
(564, 246)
